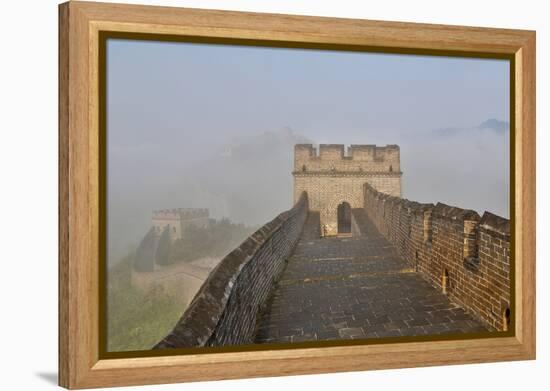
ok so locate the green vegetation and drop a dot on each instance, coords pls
(137, 320)
(217, 239)
(144, 253)
(164, 247)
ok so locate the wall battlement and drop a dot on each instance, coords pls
(180, 213)
(456, 250)
(354, 158)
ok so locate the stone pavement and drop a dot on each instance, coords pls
(351, 288)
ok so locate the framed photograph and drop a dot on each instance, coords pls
(246, 195)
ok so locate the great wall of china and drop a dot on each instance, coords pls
(352, 259)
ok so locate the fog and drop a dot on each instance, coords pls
(214, 127)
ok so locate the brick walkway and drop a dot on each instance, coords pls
(354, 287)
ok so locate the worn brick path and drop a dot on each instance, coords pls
(354, 287)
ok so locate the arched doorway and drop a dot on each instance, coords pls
(344, 218)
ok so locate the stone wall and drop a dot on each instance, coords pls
(333, 177)
(224, 310)
(465, 256)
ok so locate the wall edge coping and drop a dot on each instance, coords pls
(197, 324)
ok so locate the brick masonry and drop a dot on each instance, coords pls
(332, 176)
(464, 255)
(224, 310)
(355, 287)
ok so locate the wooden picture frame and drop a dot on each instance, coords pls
(80, 165)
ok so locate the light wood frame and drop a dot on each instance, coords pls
(79, 165)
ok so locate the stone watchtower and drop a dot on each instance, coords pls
(334, 179)
(177, 220)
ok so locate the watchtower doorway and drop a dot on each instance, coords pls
(344, 218)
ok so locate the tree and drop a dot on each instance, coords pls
(145, 254)
(164, 247)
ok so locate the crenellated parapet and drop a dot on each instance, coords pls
(465, 255)
(180, 213)
(357, 159)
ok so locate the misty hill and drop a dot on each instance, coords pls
(249, 180)
(465, 167)
(492, 124)
(496, 125)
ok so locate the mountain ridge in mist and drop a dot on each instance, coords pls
(491, 124)
(246, 163)
(465, 167)
(249, 180)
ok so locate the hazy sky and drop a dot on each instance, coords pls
(174, 109)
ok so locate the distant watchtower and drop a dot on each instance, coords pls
(334, 179)
(177, 220)
(170, 222)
